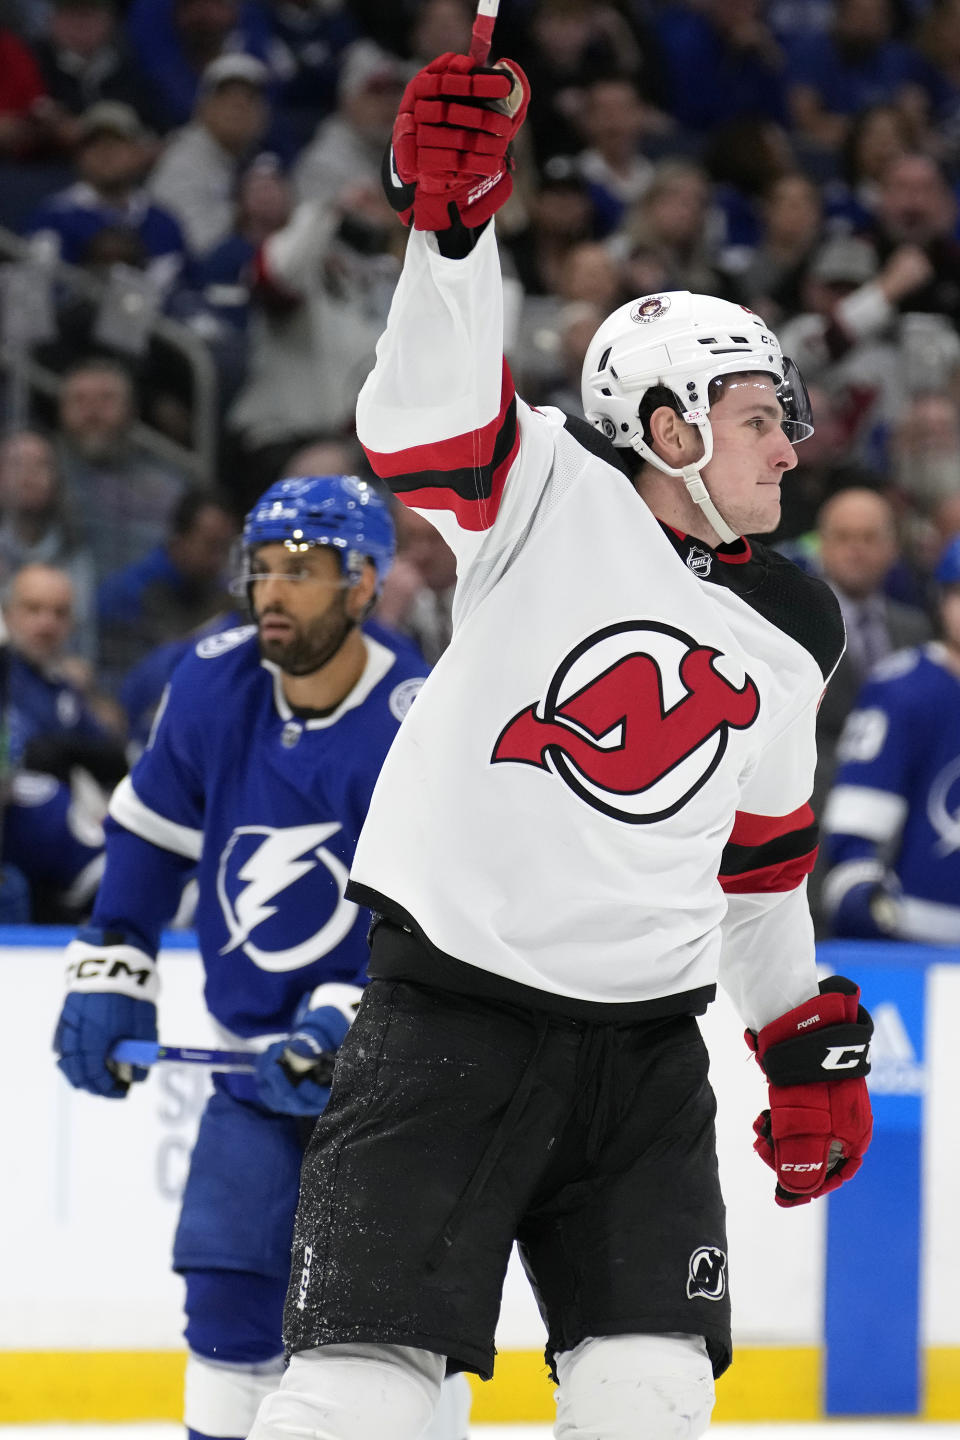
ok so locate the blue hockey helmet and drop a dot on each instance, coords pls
(342, 511)
(948, 566)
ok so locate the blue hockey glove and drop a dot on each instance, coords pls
(111, 993)
(293, 1075)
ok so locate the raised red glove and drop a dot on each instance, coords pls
(816, 1058)
(450, 142)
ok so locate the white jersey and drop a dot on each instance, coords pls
(606, 779)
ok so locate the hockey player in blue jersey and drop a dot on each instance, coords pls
(892, 821)
(257, 776)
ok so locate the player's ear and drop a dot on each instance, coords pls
(362, 596)
(673, 439)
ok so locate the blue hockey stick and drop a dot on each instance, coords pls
(148, 1052)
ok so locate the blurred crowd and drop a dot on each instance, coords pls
(213, 165)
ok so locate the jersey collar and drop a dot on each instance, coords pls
(379, 662)
(699, 557)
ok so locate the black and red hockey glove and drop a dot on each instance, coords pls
(816, 1059)
(450, 159)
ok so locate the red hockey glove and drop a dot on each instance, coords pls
(450, 142)
(816, 1058)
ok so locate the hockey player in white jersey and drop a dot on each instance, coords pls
(598, 808)
(258, 774)
(892, 819)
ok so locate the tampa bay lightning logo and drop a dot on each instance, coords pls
(276, 887)
(943, 808)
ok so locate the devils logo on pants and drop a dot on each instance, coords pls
(635, 720)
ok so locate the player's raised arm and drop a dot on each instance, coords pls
(437, 416)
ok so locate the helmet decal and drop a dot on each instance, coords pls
(643, 311)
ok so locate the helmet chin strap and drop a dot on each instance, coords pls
(691, 477)
(699, 494)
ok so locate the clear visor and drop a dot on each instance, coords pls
(797, 423)
(248, 568)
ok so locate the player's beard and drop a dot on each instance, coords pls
(310, 646)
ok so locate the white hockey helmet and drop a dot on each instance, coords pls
(683, 341)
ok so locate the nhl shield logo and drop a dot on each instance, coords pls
(700, 561)
(707, 1274)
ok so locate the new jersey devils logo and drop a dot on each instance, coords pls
(707, 1274)
(635, 720)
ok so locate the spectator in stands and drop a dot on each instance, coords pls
(769, 277)
(21, 87)
(857, 64)
(84, 58)
(323, 286)
(876, 136)
(196, 176)
(438, 27)
(590, 275)
(176, 40)
(858, 548)
(848, 339)
(938, 44)
(35, 528)
(564, 46)
(348, 146)
(111, 160)
(721, 63)
(41, 702)
(63, 752)
(307, 42)
(560, 215)
(944, 527)
(120, 497)
(218, 307)
(173, 590)
(264, 204)
(645, 270)
(917, 205)
(743, 159)
(672, 220)
(613, 120)
(326, 455)
(563, 387)
(925, 451)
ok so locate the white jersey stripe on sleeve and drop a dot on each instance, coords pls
(128, 809)
(861, 810)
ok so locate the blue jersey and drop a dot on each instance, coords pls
(893, 816)
(52, 833)
(40, 706)
(268, 807)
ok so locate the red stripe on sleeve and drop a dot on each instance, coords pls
(476, 514)
(786, 875)
(759, 829)
(473, 448)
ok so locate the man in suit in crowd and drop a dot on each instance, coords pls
(858, 547)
